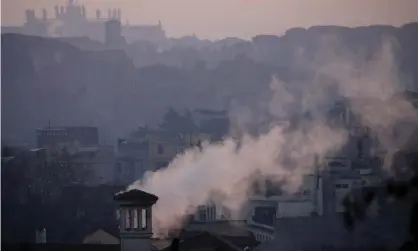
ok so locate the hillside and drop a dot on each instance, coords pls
(49, 79)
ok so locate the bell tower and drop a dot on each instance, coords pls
(135, 221)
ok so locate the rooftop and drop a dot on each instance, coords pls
(136, 195)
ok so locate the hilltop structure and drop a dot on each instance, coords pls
(72, 21)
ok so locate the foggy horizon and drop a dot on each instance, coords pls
(127, 125)
(218, 19)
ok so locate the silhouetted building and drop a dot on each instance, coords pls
(152, 33)
(113, 31)
(85, 136)
(71, 21)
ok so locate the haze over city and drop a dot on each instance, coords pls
(216, 19)
(223, 125)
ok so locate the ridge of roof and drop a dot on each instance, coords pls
(136, 195)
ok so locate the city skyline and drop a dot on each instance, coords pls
(233, 18)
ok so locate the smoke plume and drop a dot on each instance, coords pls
(299, 132)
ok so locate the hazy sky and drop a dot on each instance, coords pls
(243, 18)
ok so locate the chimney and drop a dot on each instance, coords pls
(98, 14)
(41, 235)
(135, 221)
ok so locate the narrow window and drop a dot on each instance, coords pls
(135, 219)
(143, 219)
(128, 219)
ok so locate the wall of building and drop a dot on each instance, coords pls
(295, 209)
(212, 213)
(85, 136)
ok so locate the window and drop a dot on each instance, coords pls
(143, 219)
(128, 219)
(202, 214)
(135, 219)
(273, 189)
(341, 186)
(359, 149)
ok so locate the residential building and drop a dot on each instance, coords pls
(150, 150)
(339, 178)
(213, 122)
(272, 203)
(95, 163)
(83, 135)
(210, 212)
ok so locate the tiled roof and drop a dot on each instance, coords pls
(205, 239)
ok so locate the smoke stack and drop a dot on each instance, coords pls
(41, 235)
(98, 14)
(62, 9)
(109, 14)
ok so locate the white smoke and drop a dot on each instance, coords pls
(287, 150)
(373, 90)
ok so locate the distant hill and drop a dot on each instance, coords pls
(52, 79)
